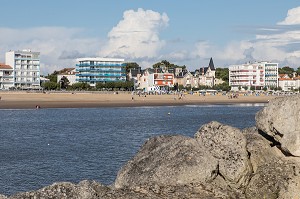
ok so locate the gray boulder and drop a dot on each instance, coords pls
(281, 120)
(65, 190)
(274, 175)
(228, 145)
(168, 160)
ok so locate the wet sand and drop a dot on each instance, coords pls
(23, 100)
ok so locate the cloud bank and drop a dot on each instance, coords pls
(136, 36)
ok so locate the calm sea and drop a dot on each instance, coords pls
(40, 147)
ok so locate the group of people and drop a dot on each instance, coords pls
(233, 95)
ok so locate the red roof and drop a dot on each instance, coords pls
(4, 66)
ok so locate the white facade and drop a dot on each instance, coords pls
(6, 77)
(70, 74)
(26, 68)
(258, 74)
(288, 84)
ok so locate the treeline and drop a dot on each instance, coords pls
(289, 71)
(110, 86)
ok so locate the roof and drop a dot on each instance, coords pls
(211, 64)
(4, 66)
(100, 59)
(66, 71)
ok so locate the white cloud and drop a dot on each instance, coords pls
(293, 17)
(51, 42)
(136, 35)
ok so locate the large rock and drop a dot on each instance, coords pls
(168, 160)
(65, 190)
(274, 175)
(228, 145)
(281, 120)
(260, 150)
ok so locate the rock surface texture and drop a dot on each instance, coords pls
(219, 162)
(281, 120)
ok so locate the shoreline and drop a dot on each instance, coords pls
(24, 100)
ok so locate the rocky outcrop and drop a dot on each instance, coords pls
(281, 120)
(228, 146)
(168, 160)
(219, 162)
(274, 175)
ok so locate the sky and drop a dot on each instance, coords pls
(187, 32)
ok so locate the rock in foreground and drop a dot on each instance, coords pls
(281, 120)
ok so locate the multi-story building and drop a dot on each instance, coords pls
(6, 77)
(258, 74)
(26, 68)
(93, 70)
(207, 75)
(152, 80)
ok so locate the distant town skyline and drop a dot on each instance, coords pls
(182, 32)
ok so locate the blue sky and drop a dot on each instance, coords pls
(183, 32)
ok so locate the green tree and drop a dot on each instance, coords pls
(167, 64)
(224, 86)
(222, 73)
(81, 86)
(130, 65)
(252, 88)
(53, 77)
(50, 85)
(286, 70)
(100, 85)
(298, 71)
(265, 88)
(64, 82)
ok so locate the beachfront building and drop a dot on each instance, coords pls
(69, 73)
(207, 75)
(94, 70)
(6, 77)
(187, 79)
(287, 83)
(258, 75)
(155, 80)
(26, 68)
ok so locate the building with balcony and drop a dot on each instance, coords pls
(6, 77)
(258, 74)
(94, 70)
(26, 68)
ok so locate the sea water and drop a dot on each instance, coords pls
(40, 147)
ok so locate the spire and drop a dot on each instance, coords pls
(211, 64)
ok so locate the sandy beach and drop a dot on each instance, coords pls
(24, 100)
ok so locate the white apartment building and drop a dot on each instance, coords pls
(26, 68)
(258, 74)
